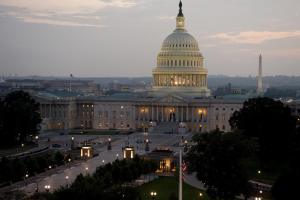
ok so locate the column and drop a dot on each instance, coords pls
(138, 114)
(152, 113)
(177, 113)
(192, 113)
(187, 113)
(157, 118)
(162, 113)
(181, 114)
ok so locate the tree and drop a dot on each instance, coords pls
(6, 171)
(59, 158)
(22, 118)
(173, 196)
(19, 169)
(287, 185)
(270, 122)
(217, 159)
(31, 165)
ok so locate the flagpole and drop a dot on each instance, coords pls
(180, 175)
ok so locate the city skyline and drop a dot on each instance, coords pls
(111, 38)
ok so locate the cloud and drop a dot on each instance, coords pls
(255, 37)
(288, 53)
(166, 18)
(35, 20)
(61, 12)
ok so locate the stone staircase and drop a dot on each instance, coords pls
(166, 128)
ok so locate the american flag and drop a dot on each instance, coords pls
(183, 169)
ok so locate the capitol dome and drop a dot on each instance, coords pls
(180, 40)
(180, 66)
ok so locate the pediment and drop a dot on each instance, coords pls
(171, 99)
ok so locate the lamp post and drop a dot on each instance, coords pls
(117, 155)
(153, 195)
(72, 142)
(86, 170)
(25, 178)
(69, 160)
(36, 140)
(67, 181)
(185, 146)
(200, 195)
(47, 188)
(147, 148)
(109, 144)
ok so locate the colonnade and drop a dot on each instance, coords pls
(183, 80)
(175, 113)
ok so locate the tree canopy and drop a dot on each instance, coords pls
(19, 118)
(217, 159)
(271, 122)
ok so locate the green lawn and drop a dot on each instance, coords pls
(164, 186)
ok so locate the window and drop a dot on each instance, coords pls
(224, 127)
(223, 117)
(217, 117)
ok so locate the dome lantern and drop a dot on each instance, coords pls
(180, 18)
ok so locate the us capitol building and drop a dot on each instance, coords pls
(178, 102)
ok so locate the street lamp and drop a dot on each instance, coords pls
(25, 178)
(47, 188)
(109, 144)
(147, 148)
(67, 178)
(185, 146)
(200, 194)
(86, 170)
(153, 195)
(50, 167)
(117, 155)
(69, 160)
(103, 161)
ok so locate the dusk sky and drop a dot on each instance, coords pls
(102, 38)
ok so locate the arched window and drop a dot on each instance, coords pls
(183, 63)
(179, 62)
(171, 62)
(168, 62)
(175, 62)
(188, 63)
